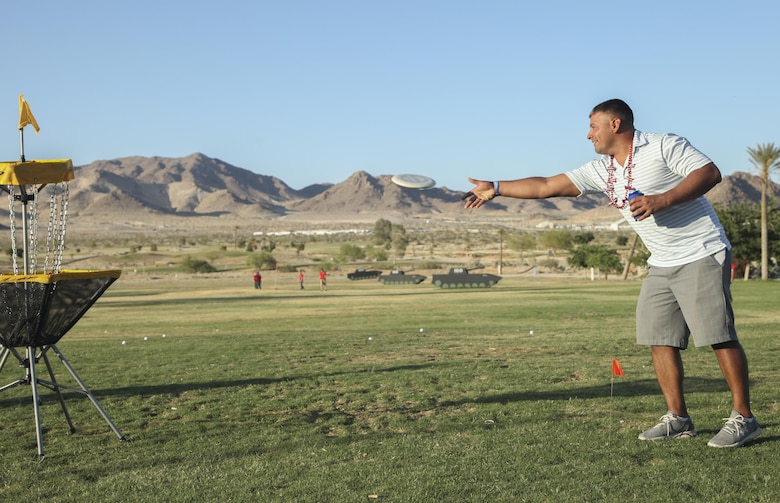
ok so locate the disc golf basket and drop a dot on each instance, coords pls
(39, 301)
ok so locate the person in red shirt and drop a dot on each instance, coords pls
(323, 282)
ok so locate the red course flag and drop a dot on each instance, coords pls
(616, 369)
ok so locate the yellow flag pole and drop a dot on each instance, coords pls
(21, 143)
(25, 117)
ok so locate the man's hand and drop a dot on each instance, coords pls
(480, 194)
(696, 184)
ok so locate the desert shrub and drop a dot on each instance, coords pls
(376, 254)
(192, 265)
(10, 252)
(601, 257)
(262, 260)
(350, 252)
(583, 237)
(551, 264)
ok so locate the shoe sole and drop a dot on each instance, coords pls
(679, 436)
(737, 444)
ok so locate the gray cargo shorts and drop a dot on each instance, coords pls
(694, 298)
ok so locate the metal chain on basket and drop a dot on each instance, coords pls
(55, 237)
(64, 200)
(12, 226)
(33, 216)
(51, 227)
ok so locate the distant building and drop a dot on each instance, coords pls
(318, 232)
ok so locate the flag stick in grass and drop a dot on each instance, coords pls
(617, 370)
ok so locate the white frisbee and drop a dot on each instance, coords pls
(414, 181)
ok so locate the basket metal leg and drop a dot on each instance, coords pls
(56, 388)
(31, 377)
(24, 380)
(36, 399)
(4, 352)
(88, 393)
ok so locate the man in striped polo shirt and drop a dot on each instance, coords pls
(658, 182)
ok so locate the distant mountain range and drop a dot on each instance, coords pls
(138, 188)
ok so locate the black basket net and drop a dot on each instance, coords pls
(40, 308)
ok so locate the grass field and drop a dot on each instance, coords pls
(371, 392)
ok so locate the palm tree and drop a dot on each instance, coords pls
(766, 158)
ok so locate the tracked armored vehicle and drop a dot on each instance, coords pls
(398, 277)
(459, 277)
(363, 274)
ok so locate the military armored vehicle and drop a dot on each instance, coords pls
(363, 274)
(398, 277)
(459, 277)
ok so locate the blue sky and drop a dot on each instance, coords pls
(312, 91)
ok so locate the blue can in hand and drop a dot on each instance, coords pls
(632, 195)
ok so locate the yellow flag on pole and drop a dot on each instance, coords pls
(26, 116)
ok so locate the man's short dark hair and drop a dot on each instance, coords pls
(617, 108)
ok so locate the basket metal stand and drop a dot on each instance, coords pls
(41, 308)
(31, 377)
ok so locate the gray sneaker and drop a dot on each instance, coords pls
(670, 426)
(737, 430)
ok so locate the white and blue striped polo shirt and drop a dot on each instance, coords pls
(679, 234)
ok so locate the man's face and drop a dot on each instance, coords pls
(602, 132)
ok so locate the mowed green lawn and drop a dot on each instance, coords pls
(389, 393)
